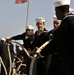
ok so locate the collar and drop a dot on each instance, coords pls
(69, 15)
(41, 32)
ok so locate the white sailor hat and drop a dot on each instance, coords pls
(40, 19)
(29, 27)
(55, 18)
(71, 10)
(8, 38)
(3, 39)
(62, 2)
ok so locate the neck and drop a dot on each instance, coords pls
(66, 13)
(40, 31)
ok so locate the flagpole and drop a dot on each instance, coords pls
(27, 13)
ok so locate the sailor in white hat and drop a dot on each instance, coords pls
(56, 22)
(27, 37)
(3, 39)
(65, 37)
(29, 30)
(62, 8)
(4, 56)
(29, 27)
(40, 38)
(40, 19)
(62, 3)
(28, 34)
(40, 23)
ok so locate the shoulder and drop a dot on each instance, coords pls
(69, 17)
(45, 31)
(51, 31)
(23, 33)
(68, 20)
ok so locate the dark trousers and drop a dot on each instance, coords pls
(42, 65)
(65, 69)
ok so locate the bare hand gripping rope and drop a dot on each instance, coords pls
(41, 47)
(35, 55)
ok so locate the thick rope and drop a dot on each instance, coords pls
(1, 61)
(19, 60)
(35, 55)
(10, 60)
(20, 66)
(27, 53)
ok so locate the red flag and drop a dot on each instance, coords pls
(20, 1)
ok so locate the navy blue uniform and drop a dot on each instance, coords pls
(41, 64)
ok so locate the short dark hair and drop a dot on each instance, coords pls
(64, 8)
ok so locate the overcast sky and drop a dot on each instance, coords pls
(13, 16)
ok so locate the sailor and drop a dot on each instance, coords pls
(42, 63)
(4, 55)
(65, 37)
(55, 56)
(27, 37)
(56, 24)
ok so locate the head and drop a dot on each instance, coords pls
(40, 23)
(62, 8)
(29, 30)
(56, 22)
(3, 40)
(8, 40)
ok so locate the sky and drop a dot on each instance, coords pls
(13, 16)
